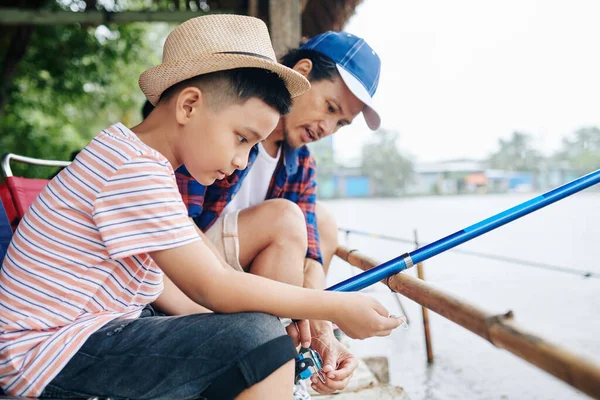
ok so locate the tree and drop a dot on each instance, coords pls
(388, 169)
(516, 154)
(71, 82)
(581, 151)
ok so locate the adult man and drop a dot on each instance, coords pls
(251, 215)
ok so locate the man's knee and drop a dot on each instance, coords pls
(289, 222)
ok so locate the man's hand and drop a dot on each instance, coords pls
(338, 363)
(300, 333)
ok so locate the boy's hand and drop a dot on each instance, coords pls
(338, 363)
(360, 316)
(300, 333)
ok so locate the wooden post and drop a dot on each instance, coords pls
(253, 8)
(284, 25)
(424, 310)
(500, 330)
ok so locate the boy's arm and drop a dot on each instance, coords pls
(172, 301)
(197, 272)
(211, 246)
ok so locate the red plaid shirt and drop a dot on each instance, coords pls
(294, 179)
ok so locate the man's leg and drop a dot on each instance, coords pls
(328, 234)
(273, 241)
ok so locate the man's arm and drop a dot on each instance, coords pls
(338, 363)
(307, 201)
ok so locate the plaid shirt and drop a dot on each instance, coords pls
(294, 179)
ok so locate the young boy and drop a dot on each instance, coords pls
(110, 234)
(242, 213)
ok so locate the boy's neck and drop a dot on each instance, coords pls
(274, 141)
(155, 133)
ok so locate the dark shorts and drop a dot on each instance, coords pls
(204, 356)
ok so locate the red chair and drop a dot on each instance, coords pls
(5, 232)
(19, 192)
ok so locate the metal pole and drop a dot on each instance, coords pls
(398, 264)
(424, 310)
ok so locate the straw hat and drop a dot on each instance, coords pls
(215, 43)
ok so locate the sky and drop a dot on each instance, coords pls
(458, 75)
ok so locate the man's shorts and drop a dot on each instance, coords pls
(223, 234)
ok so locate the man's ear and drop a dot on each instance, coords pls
(188, 102)
(304, 67)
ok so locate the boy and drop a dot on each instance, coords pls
(110, 234)
(242, 213)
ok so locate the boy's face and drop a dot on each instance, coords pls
(214, 143)
(320, 112)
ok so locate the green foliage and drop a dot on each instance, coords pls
(72, 82)
(581, 151)
(516, 154)
(388, 169)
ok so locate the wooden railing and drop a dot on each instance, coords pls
(500, 330)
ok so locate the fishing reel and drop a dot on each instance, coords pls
(308, 363)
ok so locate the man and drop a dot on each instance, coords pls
(249, 214)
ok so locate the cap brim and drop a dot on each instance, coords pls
(156, 80)
(371, 116)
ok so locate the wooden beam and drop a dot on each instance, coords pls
(499, 330)
(284, 25)
(19, 16)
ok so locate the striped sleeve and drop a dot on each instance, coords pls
(139, 210)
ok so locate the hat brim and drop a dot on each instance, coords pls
(156, 80)
(371, 116)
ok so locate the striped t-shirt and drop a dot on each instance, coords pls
(79, 257)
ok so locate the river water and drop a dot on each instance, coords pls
(562, 308)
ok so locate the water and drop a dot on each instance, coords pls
(561, 308)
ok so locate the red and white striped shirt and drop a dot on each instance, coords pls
(79, 257)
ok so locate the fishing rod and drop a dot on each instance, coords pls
(496, 257)
(408, 260)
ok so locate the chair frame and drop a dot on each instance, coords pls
(8, 157)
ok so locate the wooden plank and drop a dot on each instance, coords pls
(379, 392)
(19, 16)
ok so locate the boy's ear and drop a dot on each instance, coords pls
(188, 102)
(304, 67)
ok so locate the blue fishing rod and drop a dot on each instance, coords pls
(407, 260)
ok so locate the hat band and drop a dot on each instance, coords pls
(245, 53)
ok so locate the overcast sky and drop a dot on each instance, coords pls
(457, 75)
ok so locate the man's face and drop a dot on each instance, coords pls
(320, 112)
(217, 142)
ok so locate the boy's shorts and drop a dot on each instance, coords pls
(200, 356)
(224, 235)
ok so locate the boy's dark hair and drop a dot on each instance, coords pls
(237, 86)
(323, 67)
(147, 109)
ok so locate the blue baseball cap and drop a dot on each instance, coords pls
(358, 65)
